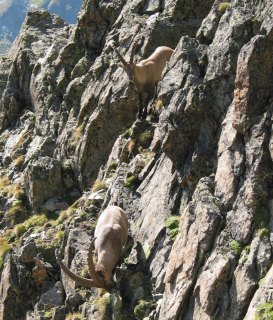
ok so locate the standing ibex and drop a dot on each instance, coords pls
(146, 73)
(111, 235)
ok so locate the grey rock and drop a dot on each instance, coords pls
(54, 296)
(28, 252)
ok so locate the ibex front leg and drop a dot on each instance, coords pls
(140, 108)
(149, 97)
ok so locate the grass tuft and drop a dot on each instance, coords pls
(37, 220)
(99, 185)
(236, 247)
(4, 248)
(172, 225)
(223, 6)
(264, 311)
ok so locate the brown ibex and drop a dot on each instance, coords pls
(111, 234)
(146, 73)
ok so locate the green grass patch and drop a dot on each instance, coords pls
(236, 247)
(37, 220)
(264, 311)
(145, 138)
(263, 233)
(127, 133)
(103, 305)
(60, 235)
(172, 225)
(143, 308)
(131, 182)
(247, 249)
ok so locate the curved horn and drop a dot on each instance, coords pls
(80, 280)
(91, 266)
(121, 58)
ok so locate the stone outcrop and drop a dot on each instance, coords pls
(194, 178)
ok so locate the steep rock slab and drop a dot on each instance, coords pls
(199, 224)
(253, 87)
(39, 32)
(263, 294)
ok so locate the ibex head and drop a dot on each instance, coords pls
(111, 234)
(129, 67)
(99, 278)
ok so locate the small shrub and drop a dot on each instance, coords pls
(131, 182)
(48, 314)
(103, 305)
(223, 6)
(172, 225)
(236, 247)
(99, 185)
(143, 308)
(247, 249)
(264, 311)
(146, 138)
(127, 133)
(4, 248)
(83, 214)
(263, 232)
(112, 167)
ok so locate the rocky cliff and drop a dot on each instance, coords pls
(194, 178)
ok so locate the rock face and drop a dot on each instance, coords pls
(194, 178)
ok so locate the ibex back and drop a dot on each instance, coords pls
(146, 74)
(111, 235)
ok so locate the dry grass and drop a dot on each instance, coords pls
(223, 6)
(99, 185)
(74, 316)
(4, 185)
(76, 135)
(4, 248)
(18, 162)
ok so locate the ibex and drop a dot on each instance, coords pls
(111, 234)
(146, 73)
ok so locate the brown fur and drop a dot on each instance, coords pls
(111, 235)
(146, 74)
